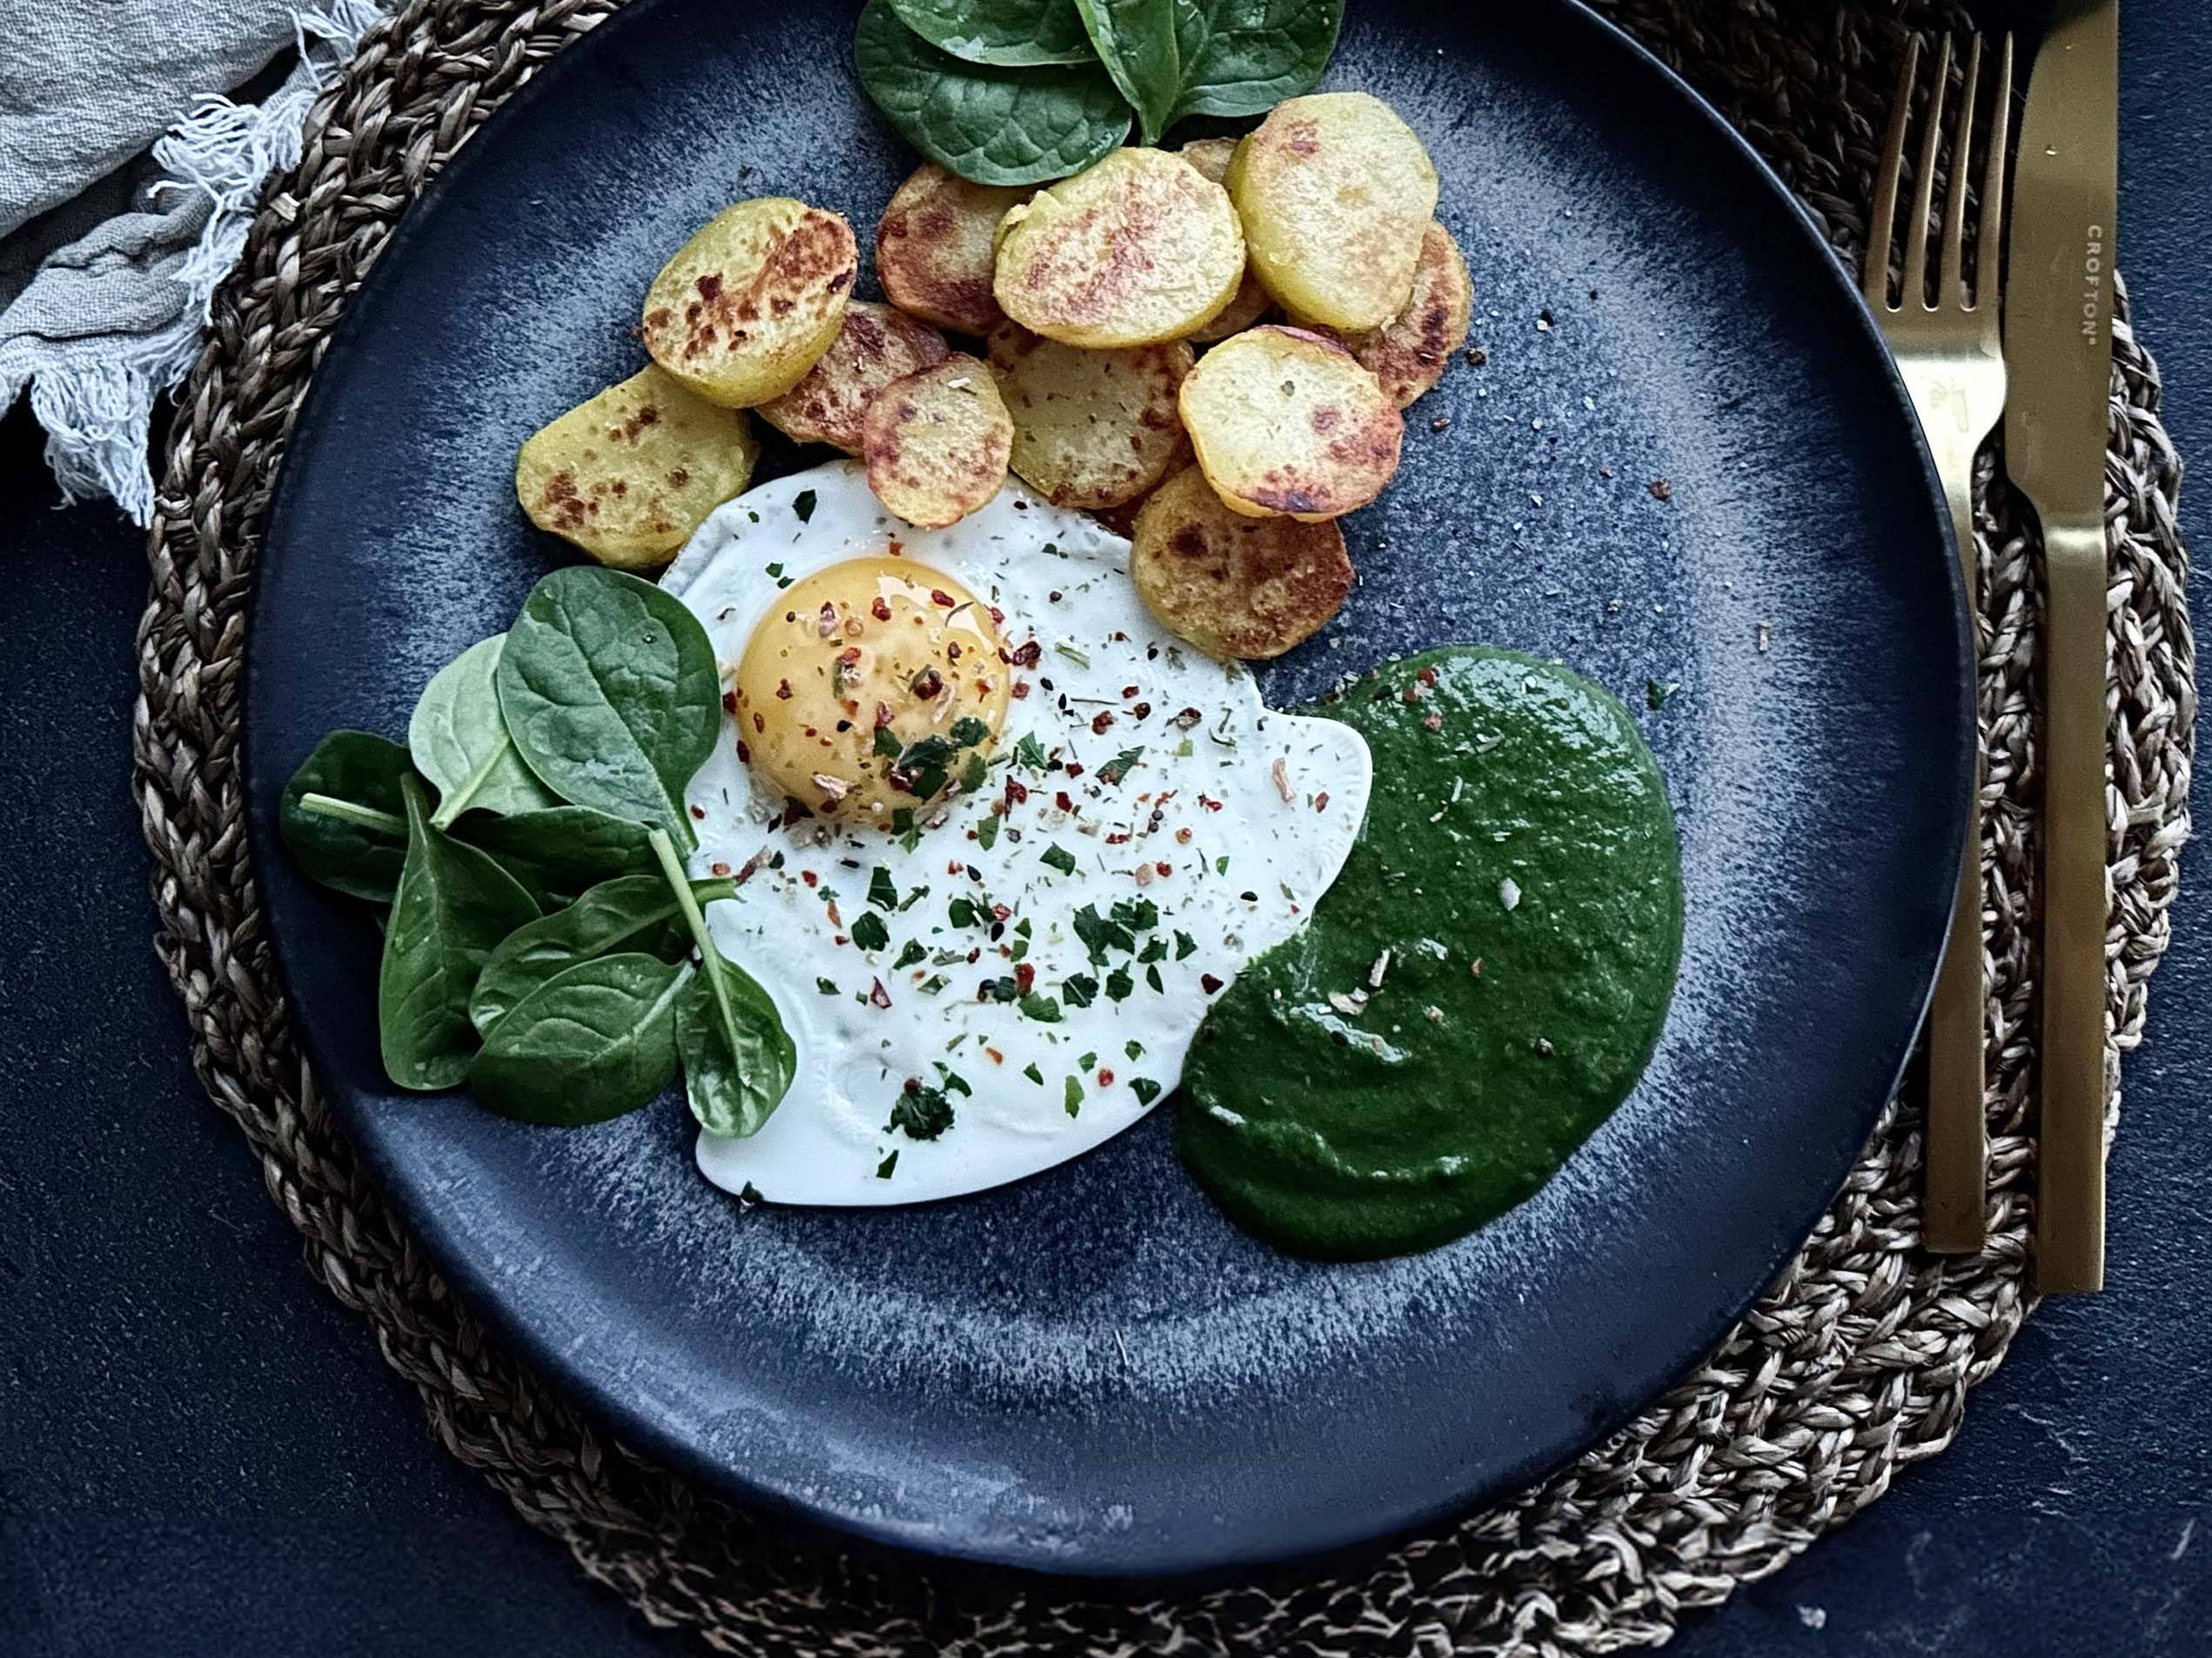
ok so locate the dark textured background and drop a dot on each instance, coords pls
(201, 1453)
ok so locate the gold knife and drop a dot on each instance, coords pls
(2058, 358)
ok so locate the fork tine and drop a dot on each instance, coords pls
(1988, 259)
(1914, 291)
(1951, 288)
(1875, 277)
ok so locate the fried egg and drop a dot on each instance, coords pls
(999, 839)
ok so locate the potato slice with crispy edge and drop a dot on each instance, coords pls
(1409, 353)
(1285, 421)
(937, 442)
(876, 346)
(1334, 191)
(1234, 586)
(934, 252)
(1253, 301)
(1138, 248)
(744, 308)
(628, 475)
(1091, 428)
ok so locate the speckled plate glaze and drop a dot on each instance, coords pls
(1091, 1373)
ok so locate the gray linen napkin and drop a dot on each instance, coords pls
(108, 255)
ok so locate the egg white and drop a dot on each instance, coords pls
(1262, 808)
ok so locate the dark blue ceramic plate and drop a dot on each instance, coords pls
(1092, 1372)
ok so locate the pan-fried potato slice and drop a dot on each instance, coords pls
(1334, 191)
(876, 346)
(1408, 353)
(1235, 586)
(937, 442)
(628, 475)
(934, 248)
(1091, 428)
(1286, 421)
(1139, 248)
(1211, 157)
(745, 307)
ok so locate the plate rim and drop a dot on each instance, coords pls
(943, 1543)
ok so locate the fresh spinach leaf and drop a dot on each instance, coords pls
(343, 816)
(609, 687)
(737, 1069)
(745, 1056)
(1244, 57)
(591, 1042)
(635, 914)
(452, 907)
(458, 742)
(562, 852)
(993, 125)
(1012, 33)
(1137, 41)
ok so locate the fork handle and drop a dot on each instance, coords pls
(1955, 1213)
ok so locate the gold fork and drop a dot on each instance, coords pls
(1952, 359)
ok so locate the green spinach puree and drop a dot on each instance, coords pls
(1478, 990)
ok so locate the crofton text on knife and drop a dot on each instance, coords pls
(2057, 357)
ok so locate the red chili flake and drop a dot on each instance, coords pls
(699, 812)
(719, 868)
(1128, 691)
(952, 650)
(880, 609)
(1073, 769)
(810, 878)
(1188, 718)
(1021, 691)
(1434, 723)
(1025, 976)
(1182, 835)
(1116, 839)
(1427, 676)
(1411, 695)
(1016, 791)
(982, 688)
(1164, 868)
(729, 701)
(1027, 655)
(1141, 711)
(1102, 723)
(1321, 802)
(998, 616)
(760, 725)
(850, 654)
(838, 938)
(784, 690)
(1661, 490)
(744, 753)
(882, 714)
(999, 911)
(927, 683)
(1105, 1077)
(1060, 799)
(997, 1058)
(898, 549)
(1209, 983)
(955, 867)
(1209, 803)
(825, 622)
(877, 995)
(939, 596)
(975, 956)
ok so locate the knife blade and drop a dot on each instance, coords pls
(2058, 359)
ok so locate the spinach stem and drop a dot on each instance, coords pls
(366, 816)
(710, 959)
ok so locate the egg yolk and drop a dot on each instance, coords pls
(871, 687)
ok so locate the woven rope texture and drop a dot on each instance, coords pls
(1855, 1363)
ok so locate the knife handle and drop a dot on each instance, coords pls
(1954, 1215)
(2069, 1224)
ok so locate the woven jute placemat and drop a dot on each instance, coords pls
(1855, 1363)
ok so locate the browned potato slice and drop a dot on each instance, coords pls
(745, 307)
(1286, 421)
(1235, 586)
(937, 442)
(875, 347)
(1211, 157)
(1140, 247)
(628, 475)
(1408, 353)
(1091, 428)
(933, 249)
(1334, 191)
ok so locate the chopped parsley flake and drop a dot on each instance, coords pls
(1033, 1073)
(880, 891)
(1079, 658)
(1155, 949)
(1152, 978)
(973, 774)
(1137, 913)
(1119, 984)
(883, 1169)
(1118, 768)
(1145, 1089)
(1072, 1096)
(1086, 1063)
(1133, 1048)
(827, 986)
(999, 990)
(887, 742)
(748, 1194)
(1221, 864)
(952, 1081)
(1079, 990)
(1185, 945)
(1655, 694)
(906, 828)
(774, 570)
(934, 983)
(804, 505)
(911, 955)
(1029, 754)
(869, 932)
(1044, 1010)
(968, 731)
(1061, 858)
(963, 911)
(919, 1112)
(1099, 934)
(987, 832)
